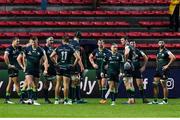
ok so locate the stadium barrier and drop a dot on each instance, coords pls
(89, 85)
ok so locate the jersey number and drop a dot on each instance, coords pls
(63, 55)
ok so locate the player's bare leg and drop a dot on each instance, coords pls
(30, 83)
(8, 89)
(155, 90)
(66, 81)
(104, 89)
(35, 87)
(128, 82)
(140, 85)
(112, 92)
(57, 88)
(165, 92)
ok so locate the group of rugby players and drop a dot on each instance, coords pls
(64, 66)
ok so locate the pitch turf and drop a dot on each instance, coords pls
(91, 110)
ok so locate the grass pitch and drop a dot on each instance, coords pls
(91, 110)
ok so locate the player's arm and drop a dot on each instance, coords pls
(21, 60)
(80, 61)
(102, 65)
(126, 53)
(121, 67)
(172, 59)
(6, 58)
(91, 60)
(45, 62)
(53, 57)
(145, 60)
(76, 59)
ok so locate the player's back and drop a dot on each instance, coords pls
(65, 54)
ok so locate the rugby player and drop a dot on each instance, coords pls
(76, 72)
(128, 69)
(10, 57)
(51, 69)
(115, 62)
(21, 62)
(164, 59)
(33, 55)
(64, 53)
(139, 69)
(96, 59)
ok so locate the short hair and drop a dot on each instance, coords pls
(15, 38)
(101, 41)
(34, 38)
(161, 42)
(125, 37)
(65, 38)
(49, 39)
(78, 34)
(132, 42)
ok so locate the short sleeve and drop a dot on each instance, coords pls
(94, 52)
(7, 51)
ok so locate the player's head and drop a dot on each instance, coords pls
(15, 41)
(161, 44)
(132, 43)
(65, 39)
(29, 42)
(114, 47)
(34, 41)
(100, 43)
(77, 35)
(49, 40)
(124, 40)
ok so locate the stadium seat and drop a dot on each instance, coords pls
(154, 23)
(86, 13)
(111, 2)
(104, 34)
(1, 58)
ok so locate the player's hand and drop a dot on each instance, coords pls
(72, 66)
(11, 66)
(121, 75)
(82, 69)
(142, 69)
(45, 73)
(106, 67)
(56, 66)
(95, 66)
(102, 75)
(165, 67)
(24, 69)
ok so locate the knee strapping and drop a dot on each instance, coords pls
(155, 83)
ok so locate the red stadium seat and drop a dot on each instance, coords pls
(87, 23)
(50, 23)
(86, 34)
(3, 1)
(1, 58)
(87, 13)
(47, 34)
(60, 34)
(62, 23)
(99, 23)
(108, 34)
(9, 34)
(23, 34)
(96, 35)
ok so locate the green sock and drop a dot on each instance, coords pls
(7, 95)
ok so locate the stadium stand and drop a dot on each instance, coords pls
(145, 21)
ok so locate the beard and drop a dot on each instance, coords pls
(161, 47)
